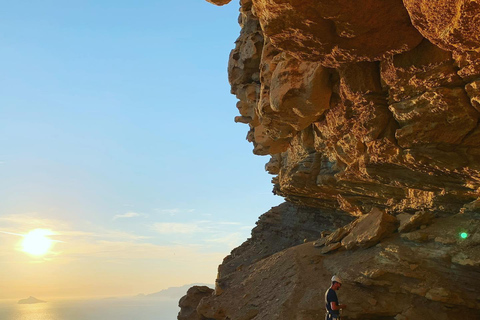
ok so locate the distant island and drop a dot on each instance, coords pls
(30, 300)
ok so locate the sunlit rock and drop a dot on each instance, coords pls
(450, 24)
(188, 303)
(335, 32)
(373, 135)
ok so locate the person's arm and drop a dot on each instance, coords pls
(336, 306)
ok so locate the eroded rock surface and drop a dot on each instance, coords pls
(369, 110)
(370, 229)
(335, 32)
(435, 277)
(450, 24)
(399, 132)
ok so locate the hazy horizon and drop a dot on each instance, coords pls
(181, 290)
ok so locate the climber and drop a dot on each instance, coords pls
(331, 301)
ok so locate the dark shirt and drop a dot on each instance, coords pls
(331, 296)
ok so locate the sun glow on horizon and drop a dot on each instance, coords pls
(36, 242)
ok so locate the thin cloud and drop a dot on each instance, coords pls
(232, 240)
(24, 222)
(170, 211)
(210, 233)
(12, 233)
(226, 223)
(172, 228)
(203, 226)
(129, 215)
(101, 233)
(174, 211)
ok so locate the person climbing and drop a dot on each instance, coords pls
(331, 300)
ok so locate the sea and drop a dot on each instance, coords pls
(107, 309)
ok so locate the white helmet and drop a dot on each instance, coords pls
(336, 279)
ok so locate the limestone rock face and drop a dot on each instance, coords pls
(450, 24)
(335, 32)
(436, 277)
(451, 120)
(280, 228)
(298, 91)
(397, 130)
(369, 111)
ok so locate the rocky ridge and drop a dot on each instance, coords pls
(428, 273)
(368, 110)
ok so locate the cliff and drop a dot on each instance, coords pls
(369, 111)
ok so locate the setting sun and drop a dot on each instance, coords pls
(36, 242)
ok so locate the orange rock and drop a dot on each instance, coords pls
(188, 303)
(335, 32)
(392, 117)
(370, 229)
(424, 68)
(450, 24)
(359, 111)
(219, 2)
(439, 116)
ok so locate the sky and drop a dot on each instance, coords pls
(117, 135)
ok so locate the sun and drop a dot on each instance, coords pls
(36, 242)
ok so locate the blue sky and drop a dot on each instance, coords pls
(116, 131)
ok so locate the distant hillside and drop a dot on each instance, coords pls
(174, 293)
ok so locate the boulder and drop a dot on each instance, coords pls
(370, 229)
(416, 221)
(188, 303)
